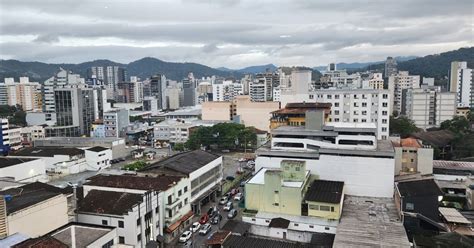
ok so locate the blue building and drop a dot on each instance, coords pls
(4, 140)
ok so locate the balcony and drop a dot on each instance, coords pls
(172, 204)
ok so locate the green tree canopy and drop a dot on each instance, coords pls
(402, 126)
(223, 135)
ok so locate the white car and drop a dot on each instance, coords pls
(205, 229)
(238, 197)
(223, 200)
(185, 236)
(195, 227)
(228, 206)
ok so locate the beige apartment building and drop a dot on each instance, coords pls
(241, 110)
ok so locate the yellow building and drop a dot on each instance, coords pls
(324, 199)
(278, 190)
(462, 111)
(294, 114)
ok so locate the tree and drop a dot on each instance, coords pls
(402, 126)
(14, 114)
(222, 135)
(179, 147)
(459, 124)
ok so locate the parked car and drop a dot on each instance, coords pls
(188, 244)
(238, 196)
(223, 200)
(230, 178)
(232, 213)
(204, 219)
(205, 229)
(212, 211)
(228, 206)
(242, 160)
(216, 219)
(195, 227)
(234, 191)
(185, 236)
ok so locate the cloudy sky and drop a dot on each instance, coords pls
(232, 33)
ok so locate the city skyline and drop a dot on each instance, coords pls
(232, 34)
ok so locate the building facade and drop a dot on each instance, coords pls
(460, 81)
(398, 84)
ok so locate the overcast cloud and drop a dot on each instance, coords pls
(232, 33)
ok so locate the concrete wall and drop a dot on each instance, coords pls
(112, 235)
(362, 176)
(256, 114)
(39, 219)
(30, 171)
(298, 236)
(201, 171)
(216, 111)
(324, 214)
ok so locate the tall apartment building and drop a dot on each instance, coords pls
(111, 76)
(172, 97)
(157, 84)
(428, 107)
(358, 106)
(4, 140)
(204, 91)
(460, 81)
(75, 112)
(226, 90)
(264, 83)
(116, 122)
(62, 79)
(390, 67)
(376, 81)
(129, 92)
(24, 93)
(189, 91)
(340, 79)
(398, 84)
(297, 86)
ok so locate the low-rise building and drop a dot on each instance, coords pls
(203, 169)
(116, 144)
(98, 157)
(31, 133)
(294, 114)
(75, 235)
(145, 209)
(31, 204)
(116, 122)
(177, 131)
(23, 169)
(412, 157)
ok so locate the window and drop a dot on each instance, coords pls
(364, 112)
(336, 96)
(121, 240)
(157, 210)
(385, 96)
(384, 112)
(104, 222)
(253, 220)
(384, 121)
(276, 191)
(180, 193)
(295, 224)
(336, 119)
(267, 221)
(139, 237)
(384, 129)
(329, 96)
(311, 226)
(120, 223)
(276, 204)
(336, 104)
(170, 199)
(332, 209)
(297, 168)
(355, 105)
(336, 112)
(324, 208)
(326, 228)
(364, 104)
(139, 222)
(185, 201)
(384, 104)
(410, 206)
(108, 244)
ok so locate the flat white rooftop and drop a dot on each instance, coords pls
(259, 178)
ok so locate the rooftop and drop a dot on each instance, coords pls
(41, 242)
(146, 183)
(452, 215)
(236, 226)
(97, 149)
(218, 238)
(185, 111)
(29, 195)
(109, 202)
(48, 151)
(186, 162)
(257, 242)
(425, 187)
(279, 223)
(325, 191)
(408, 142)
(259, 178)
(6, 161)
(453, 165)
(370, 222)
(438, 138)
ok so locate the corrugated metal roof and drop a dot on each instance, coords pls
(453, 215)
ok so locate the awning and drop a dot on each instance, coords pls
(175, 225)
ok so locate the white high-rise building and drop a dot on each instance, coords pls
(376, 81)
(358, 106)
(428, 107)
(460, 81)
(297, 88)
(60, 80)
(398, 84)
(226, 91)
